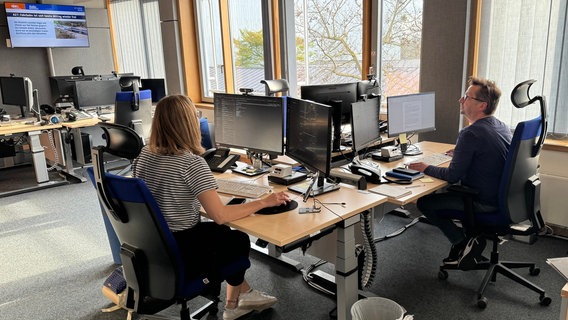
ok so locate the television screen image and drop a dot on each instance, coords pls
(46, 25)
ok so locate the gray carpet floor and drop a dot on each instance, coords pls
(55, 256)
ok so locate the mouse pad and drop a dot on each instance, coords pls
(279, 209)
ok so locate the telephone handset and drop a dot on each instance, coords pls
(220, 160)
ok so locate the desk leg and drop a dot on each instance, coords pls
(346, 268)
(38, 156)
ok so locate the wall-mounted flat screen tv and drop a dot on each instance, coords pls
(46, 25)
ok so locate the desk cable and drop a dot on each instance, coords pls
(54, 148)
(399, 231)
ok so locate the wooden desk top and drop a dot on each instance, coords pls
(419, 187)
(564, 293)
(81, 123)
(19, 126)
(287, 227)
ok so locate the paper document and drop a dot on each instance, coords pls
(391, 191)
(560, 265)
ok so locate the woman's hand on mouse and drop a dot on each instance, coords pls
(276, 199)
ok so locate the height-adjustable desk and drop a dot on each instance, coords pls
(285, 228)
(38, 155)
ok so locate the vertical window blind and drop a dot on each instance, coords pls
(521, 40)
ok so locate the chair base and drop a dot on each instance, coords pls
(494, 267)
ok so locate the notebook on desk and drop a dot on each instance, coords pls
(394, 192)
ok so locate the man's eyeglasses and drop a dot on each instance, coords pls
(465, 97)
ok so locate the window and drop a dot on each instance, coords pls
(521, 40)
(400, 52)
(138, 37)
(329, 41)
(231, 44)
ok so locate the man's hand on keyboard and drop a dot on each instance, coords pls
(420, 166)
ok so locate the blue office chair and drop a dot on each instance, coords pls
(519, 201)
(152, 264)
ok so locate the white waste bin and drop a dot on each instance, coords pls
(377, 308)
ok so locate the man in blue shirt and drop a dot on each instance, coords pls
(477, 162)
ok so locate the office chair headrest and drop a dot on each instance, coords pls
(520, 94)
(121, 141)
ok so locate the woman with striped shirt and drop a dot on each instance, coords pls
(181, 182)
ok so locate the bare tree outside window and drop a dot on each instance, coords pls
(332, 34)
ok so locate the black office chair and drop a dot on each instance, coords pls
(276, 86)
(519, 201)
(152, 264)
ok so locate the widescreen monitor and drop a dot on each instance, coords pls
(411, 113)
(253, 123)
(308, 141)
(365, 123)
(90, 94)
(157, 86)
(339, 96)
(46, 25)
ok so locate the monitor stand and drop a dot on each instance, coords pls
(256, 168)
(318, 188)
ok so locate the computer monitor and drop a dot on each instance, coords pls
(411, 113)
(157, 86)
(90, 94)
(17, 91)
(308, 141)
(339, 96)
(63, 87)
(253, 123)
(365, 123)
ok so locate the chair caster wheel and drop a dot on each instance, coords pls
(482, 303)
(534, 271)
(442, 274)
(545, 301)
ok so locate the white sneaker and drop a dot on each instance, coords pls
(256, 300)
(231, 314)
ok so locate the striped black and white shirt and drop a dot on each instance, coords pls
(175, 181)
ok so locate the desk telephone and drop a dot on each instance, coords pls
(219, 160)
(371, 173)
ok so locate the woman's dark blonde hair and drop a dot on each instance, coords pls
(175, 127)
